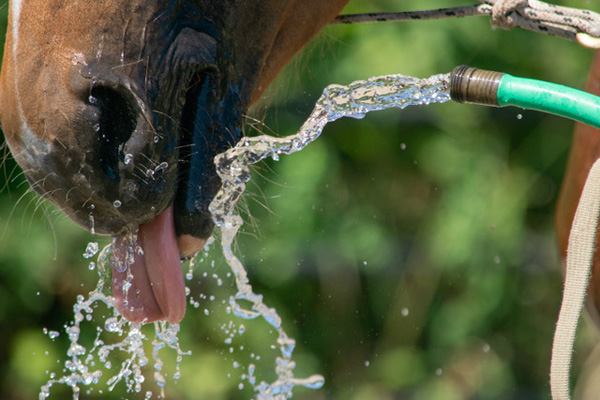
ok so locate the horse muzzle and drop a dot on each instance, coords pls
(132, 145)
(116, 110)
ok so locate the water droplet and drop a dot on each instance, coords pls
(78, 58)
(117, 203)
(51, 334)
(161, 167)
(313, 382)
(96, 127)
(91, 250)
(159, 379)
(112, 325)
(92, 224)
(519, 116)
(156, 139)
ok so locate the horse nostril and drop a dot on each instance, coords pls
(115, 124)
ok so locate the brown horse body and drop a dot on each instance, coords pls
(585, 150)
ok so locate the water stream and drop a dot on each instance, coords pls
(85, 366)
(354, 100)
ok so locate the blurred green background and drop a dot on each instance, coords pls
(410, 254)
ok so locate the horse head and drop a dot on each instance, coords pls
(116, 109)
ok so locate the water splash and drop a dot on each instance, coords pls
(354, 100)
(87, 367)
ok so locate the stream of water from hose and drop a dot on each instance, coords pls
(85, 366)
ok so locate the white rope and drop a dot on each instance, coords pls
(535, 15)
(580, 255)
(582, 26)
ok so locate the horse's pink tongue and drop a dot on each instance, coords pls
(157, 289)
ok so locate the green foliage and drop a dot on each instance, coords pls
(411, 253)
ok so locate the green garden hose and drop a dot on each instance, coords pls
(472, 85)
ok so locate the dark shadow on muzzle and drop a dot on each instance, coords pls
(210, 123)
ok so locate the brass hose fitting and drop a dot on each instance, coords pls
(473, 85)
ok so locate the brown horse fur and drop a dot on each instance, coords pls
(585, 150)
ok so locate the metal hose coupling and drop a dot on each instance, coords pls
(473, 85)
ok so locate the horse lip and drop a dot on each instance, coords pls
(189, 245)
(210, 122)
(188, 148)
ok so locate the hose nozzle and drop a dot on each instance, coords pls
(488, 88)
(473, 85)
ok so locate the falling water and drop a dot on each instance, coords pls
(85, 366)
(354, 100)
